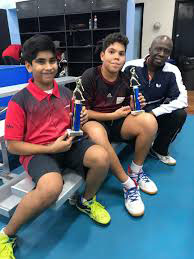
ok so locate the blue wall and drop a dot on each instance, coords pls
(10, 7)
(13, 26)
(130, 28)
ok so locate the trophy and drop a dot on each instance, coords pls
(76, 107)
(134, 83)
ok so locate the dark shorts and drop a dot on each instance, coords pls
(113, 129)
(44, 163)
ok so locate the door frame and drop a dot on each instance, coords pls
(175, 22)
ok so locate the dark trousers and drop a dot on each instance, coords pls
(169, 125)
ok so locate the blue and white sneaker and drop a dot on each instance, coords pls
(144, 182)
(133, 201)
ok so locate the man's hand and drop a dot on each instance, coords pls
(121, 112)
(141, 100)
(62, 144)
(83, 116)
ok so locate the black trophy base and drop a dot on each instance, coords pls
(74, 133)
(137, 112)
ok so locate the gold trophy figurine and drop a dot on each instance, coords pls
(76, 108)
(134, 83)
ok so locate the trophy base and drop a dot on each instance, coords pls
(74, 133)
(137, 112)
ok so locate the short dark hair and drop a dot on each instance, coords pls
(114, 37)
(36, 44)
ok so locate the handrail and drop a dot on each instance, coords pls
(13, 89)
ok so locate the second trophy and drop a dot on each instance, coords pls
(76, 108)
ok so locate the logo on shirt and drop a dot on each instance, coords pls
(9, 126)
(120, 100)
(109, 95)
(158, 85)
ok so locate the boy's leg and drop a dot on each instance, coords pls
(143, 127)
(169, 125)
(133, 202)
(97, 161)
(48, 188)
(98, 134)
(47, 191)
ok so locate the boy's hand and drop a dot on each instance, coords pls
(141, 100)
(83, 116)
(121, 112)
(62, 144)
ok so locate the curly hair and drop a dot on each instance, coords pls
(114, 37)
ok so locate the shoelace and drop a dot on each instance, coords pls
(143, 176)
(132, 194)
(95, 208)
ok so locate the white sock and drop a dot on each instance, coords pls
(83, 199)
(135, 169)
(129, 183)
(2, 231)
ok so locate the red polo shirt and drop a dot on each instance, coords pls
(37, 117)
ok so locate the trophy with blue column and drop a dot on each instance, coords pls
(134, 84)
(76, 107)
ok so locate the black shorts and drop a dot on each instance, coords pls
(113, 129)
(44, 163)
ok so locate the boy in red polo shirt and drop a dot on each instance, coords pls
(35, 129)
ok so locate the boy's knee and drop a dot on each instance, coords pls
(100, 158)
(149, 123)
(49, 194)
(97, 133)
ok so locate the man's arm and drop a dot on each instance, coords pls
(179, 101)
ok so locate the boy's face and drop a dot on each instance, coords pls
(44, 68)
(114, 57)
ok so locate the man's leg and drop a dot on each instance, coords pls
(144, 128)
(98, 135)
(169, 125)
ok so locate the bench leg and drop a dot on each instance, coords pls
(5, 167)
(73, 199)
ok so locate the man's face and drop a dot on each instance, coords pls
(160, 51)
(44, 68)
(114, 57)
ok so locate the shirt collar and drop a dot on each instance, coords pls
(38, 93)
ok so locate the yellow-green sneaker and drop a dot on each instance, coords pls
(6, 247)
(94, 210)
